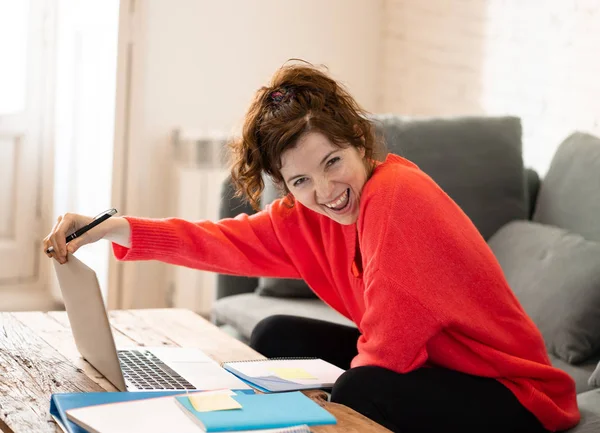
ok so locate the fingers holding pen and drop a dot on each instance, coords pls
(47, 242)
(48, 248)
(55, 244)
(72, 231)
(74, 245)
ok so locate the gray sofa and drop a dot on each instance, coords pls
(545, 235)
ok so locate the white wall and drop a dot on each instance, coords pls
(542, 63)
(536, 60)
(197, 65)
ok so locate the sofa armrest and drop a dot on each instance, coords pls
(231, 206)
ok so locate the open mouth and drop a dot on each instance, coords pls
(341, 203)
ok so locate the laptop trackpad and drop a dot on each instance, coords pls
(207, 376)
(170, 355)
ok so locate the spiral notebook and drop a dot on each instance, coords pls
(285, 374)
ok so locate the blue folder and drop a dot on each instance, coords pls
(262, 411)
(61, 402)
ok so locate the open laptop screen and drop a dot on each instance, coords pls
(87, 315)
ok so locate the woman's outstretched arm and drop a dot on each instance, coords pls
(244, 245)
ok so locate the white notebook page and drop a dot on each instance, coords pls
(154, 415)
(162, 414)
(322, 371)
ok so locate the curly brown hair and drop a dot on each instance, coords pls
(299, 99)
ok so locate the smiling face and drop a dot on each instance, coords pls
(324, 177)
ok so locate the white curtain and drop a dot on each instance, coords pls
(85, 113)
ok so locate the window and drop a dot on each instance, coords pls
(14, 29)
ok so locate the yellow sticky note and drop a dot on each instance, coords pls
(209, 403)
(292, 373)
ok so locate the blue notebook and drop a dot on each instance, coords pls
(61, 402)
(261, 411)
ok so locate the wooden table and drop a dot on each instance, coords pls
(38, 357)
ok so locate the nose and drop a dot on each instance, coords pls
(324, 190)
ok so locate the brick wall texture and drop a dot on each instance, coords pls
(536, 59)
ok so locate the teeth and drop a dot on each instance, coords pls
(339, 201)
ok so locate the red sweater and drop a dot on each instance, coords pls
(428, 290)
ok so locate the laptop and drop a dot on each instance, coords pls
(131, 368)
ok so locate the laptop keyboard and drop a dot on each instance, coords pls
(145, 371)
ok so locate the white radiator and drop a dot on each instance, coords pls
(200, 173)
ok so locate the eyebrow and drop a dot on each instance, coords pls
(290, 179)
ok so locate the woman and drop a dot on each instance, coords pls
(441, 342)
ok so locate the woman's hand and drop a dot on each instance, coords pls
(116, 227)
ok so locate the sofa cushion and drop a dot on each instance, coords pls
(580, 372)
(230, 206)
(243, 312)
(594, 380)
(476, 160)
(556, 276)
(280, 287)
(589, 406)
(570, 193)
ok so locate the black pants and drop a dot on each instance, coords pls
(424, 400)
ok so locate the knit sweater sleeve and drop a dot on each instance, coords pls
(244, 245)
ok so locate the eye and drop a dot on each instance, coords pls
(333, 161)
(299, 182)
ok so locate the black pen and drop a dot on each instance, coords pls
(102, 217)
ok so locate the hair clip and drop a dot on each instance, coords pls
(277, 96)
(281, 95)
